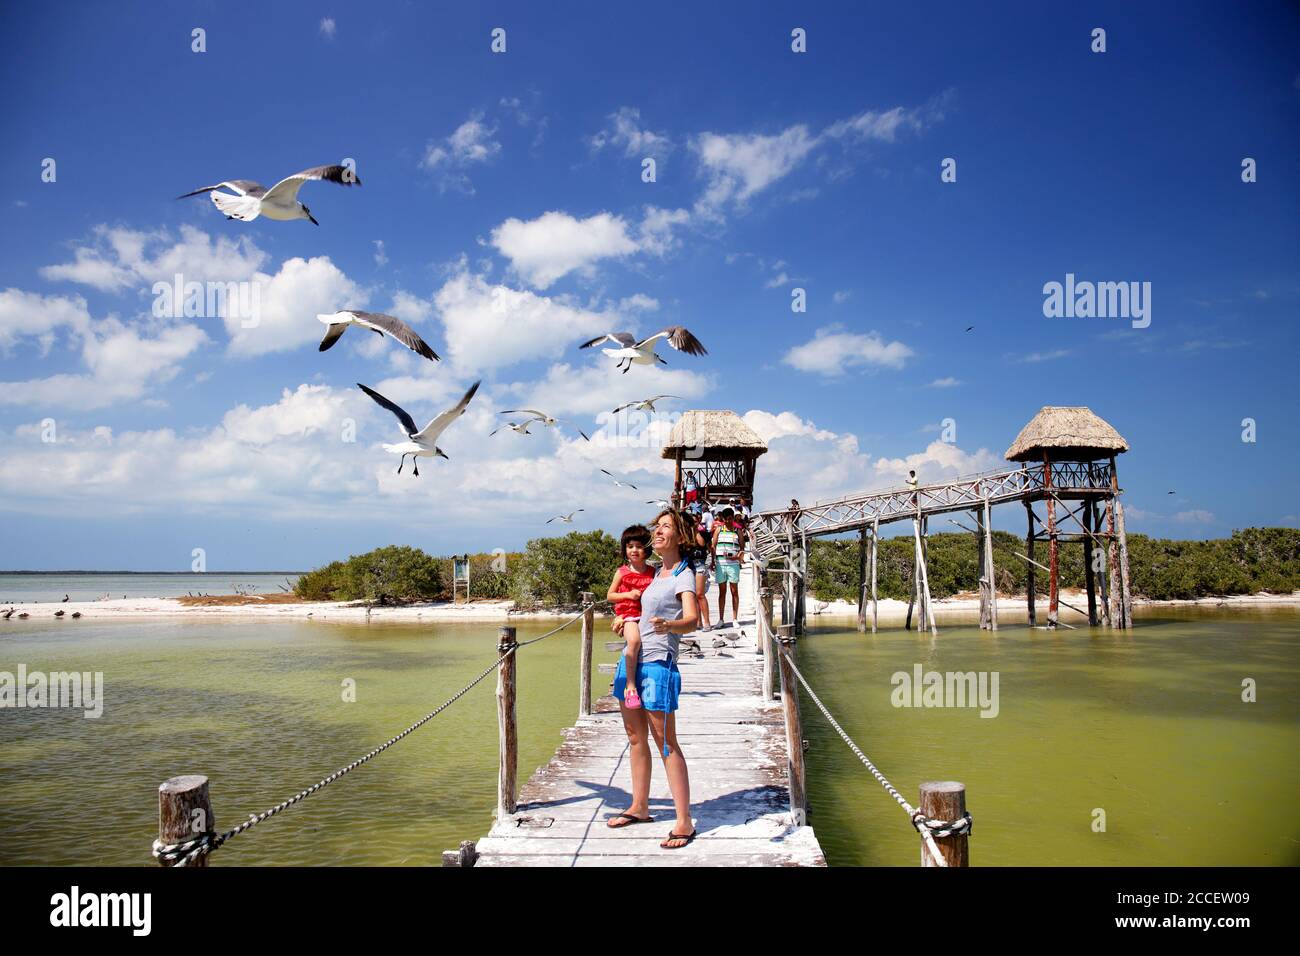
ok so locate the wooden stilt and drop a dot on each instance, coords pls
(1126, 596)
(982, 570)
(1030, 600)
(1053, 568)
(862, 581)
(875, 528)
(801, 590)
(1089, 576)
(989, 569)
(927, 607)
(1112, 568)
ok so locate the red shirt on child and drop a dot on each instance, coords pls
(631, 580)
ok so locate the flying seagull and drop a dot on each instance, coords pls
(631, 352)
(536, 416)
(377, 322)
(423, 443)
(659, 502)
(520, 427)
(566, 519)
(621, 484)
(645, 405)
(280, 202)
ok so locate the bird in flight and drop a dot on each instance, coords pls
(969, 328)
(658, 503)
(423, 442)
(536, 416)
(631, 352)
(338, 323)
(520, 427)
(621, 484)
(565, 519)
(248, 199)
(645, 405)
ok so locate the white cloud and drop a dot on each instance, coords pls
(1196, 516)
(597, 389)
(624, 130)
(118, 259)
(832, 351)
(28, 314)
(1041, 356)
(289, 303)
(328, 28)
(638, 302)
(554, 244)
(656, 231)
(307, 410)
(490, 326)
(740, 165)
(381, 257)
(123, 365)
(469, 144)
(841, 296)
(948, 382)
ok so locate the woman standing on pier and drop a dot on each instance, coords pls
(668, 610)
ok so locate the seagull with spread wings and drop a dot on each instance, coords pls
(519, 427)
(423, 442)
(645, 405)
(631, 352)
(338, 323)
(247, 199)
(535, 416)
(564, 519)
(621, 484)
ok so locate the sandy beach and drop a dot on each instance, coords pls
(277, 606)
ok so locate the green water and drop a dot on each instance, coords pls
(1149, 726)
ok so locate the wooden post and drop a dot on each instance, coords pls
(862, 580)
(927, 607)
(945, 800)
(982, 570)
(508, 739)
(765, 640)
(759, 585)
(1112, 568)
(677, 481)
(184, 812)
(989, 568)
(793, 726)
(1053, 569)
(462, 857)
(584, 659)
(801, 592)
(875, 606)
(1030, 601)
(1126, 596)
(1089, 578)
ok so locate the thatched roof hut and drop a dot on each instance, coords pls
(1066, 434)
(712, 436)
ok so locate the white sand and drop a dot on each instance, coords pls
(503, 611)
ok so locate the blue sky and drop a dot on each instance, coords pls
(503, 214)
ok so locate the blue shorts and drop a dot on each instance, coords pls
(658, 682)
(728, 571)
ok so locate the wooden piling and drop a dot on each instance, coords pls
(875, 604)
(981, 570)
(785, 641)
(1089, 577)
(184, 812)
(765, 632)
(1031, 603)
(584, 658)
(1114, 589)
(945, 800)
(922, 549)
(1126, 596)
(1053, 558)
(862, 580)
(508, 739)
(989, 568)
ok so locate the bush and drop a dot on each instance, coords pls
(388, 575)
(485, 581)
(557, 570)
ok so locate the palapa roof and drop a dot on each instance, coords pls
(713, 436)
(1066, 433)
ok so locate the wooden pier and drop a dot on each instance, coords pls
(734, 742)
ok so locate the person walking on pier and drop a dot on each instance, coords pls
(668, 610)
(726, 558)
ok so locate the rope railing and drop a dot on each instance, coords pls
(929, 828)
(187, 852)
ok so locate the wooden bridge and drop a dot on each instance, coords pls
(734, 737)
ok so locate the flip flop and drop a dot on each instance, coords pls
(629, 817)
(677, 836)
